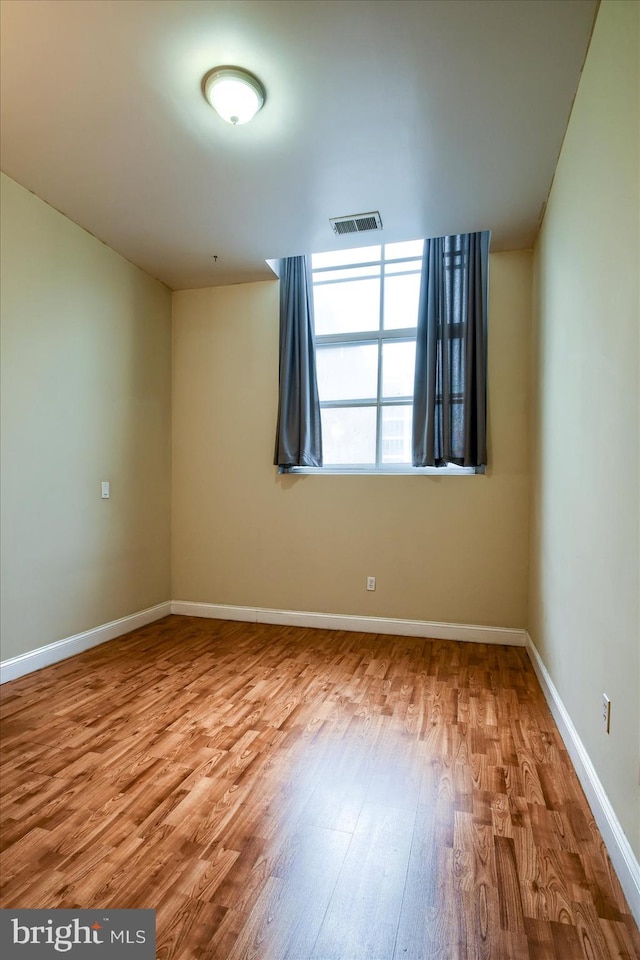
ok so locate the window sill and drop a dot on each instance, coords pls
(388, 471)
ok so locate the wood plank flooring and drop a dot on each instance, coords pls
(275, 793)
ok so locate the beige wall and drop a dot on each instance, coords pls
(86, 391)
(584, 590)
(449, 548)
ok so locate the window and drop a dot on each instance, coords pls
(366, 309)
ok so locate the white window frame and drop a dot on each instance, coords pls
(377, 337)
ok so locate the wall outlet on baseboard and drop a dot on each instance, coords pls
(371, 583)
(606, 713)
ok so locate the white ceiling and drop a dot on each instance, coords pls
(444, 115)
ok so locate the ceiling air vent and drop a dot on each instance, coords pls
(356, 223)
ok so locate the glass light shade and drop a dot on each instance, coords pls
(234, 94)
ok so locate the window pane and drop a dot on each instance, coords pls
(348, 273)
(348, 372)
(409, 248)
(396, 434)
(347, 307)
(401, 295)
(403, 266)
(349, 435)
(398, 366)
(338, 258)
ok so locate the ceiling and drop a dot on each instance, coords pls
(445, 115)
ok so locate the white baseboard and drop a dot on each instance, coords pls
(18, 666)
(333, 621)
(618, 847)
(53, 652)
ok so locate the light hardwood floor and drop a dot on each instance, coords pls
(306, 794)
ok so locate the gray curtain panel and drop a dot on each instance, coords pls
(450, 389)
(298, 433)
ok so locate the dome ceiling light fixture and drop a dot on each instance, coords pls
(235, 94)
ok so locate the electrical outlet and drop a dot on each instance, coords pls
(371, 583)
(606, 712)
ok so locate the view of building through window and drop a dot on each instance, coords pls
(366, 308)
